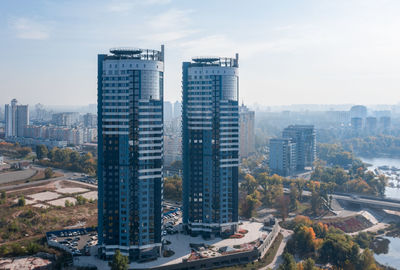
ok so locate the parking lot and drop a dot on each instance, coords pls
(172, 218)
(76, 241)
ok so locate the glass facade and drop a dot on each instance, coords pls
(210, 124)
(130, 128)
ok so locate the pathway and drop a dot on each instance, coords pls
(278, 257)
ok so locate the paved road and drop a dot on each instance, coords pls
(362, 201)
(13, 176)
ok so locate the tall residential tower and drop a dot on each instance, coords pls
(130, 150)
(210, 128)
(16, 118)
(247, 137)
(304, 136)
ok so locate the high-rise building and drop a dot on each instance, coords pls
(16, 118)
(177, 110)
(357, 123)
(130, 152)
(210, 128)
(282, 156)
(305, 139)
(246, 136)
(90, 120)
(359, 111)
(385, 123)
(371, 124)
(167, 111)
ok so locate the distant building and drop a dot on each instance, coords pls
(340, 117)
(76, 136)
(65, 119)
(167, 111)
(371, 124)
(304, 137)
(90, 120)
(385, 123)
(172, 149)
(177, 110)
(357, 123)
(282, 156)
(16, 119)
(358, 111)
(246, 134)
(210, 125)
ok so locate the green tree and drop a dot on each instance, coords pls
(32, 248)
(21, 201)
(119, 262)
(48, 173)
(41, 151)
(288, 262)
(250, 204)
(173, 188)
(309, 264)
(367, 261)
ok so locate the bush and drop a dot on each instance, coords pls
(48, 173)
(21, 201)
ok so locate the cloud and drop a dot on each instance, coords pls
(124, 5)
(26, 28)
(171, 25)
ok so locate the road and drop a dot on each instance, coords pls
(362, 201)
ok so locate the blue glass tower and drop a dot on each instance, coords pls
(210, 129)
(130, 152)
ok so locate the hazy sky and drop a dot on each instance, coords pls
(291, 52)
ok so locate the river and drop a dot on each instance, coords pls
(389, 252)
(393, 190)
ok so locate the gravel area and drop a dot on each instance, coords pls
(71, 190)
(44, 196)
(90, 195)
(61, 202)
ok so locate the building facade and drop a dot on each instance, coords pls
(304, 137)
(16, 119)
(282, 156)
(65, 118)
(130, 152)
(246, 134)
(210, 143)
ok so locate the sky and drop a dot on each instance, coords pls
(290, 51)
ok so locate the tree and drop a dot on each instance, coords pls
(119, 262)
(282, 205)
(288, 262)
(173, 188)
(309, 264)
(294, 193)
(48, 173)
(41, 151)
(250, 204)
(367, 261)
(249, 185)
(21, 201)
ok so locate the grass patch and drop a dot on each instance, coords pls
(267, 259)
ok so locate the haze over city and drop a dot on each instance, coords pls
(176, 135)
(291, 52)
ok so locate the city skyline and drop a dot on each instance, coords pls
(326, 51)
